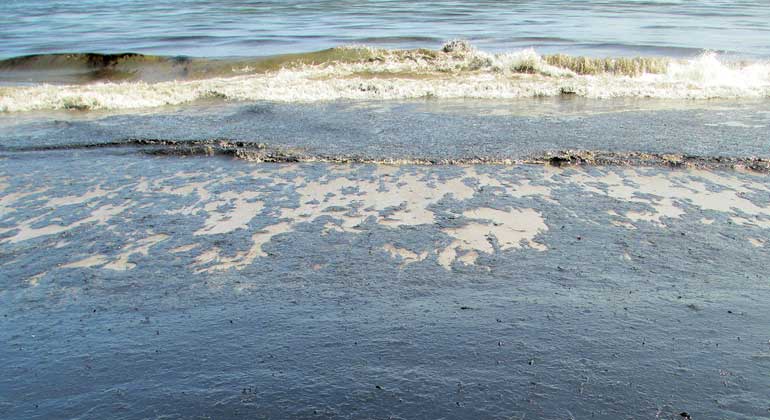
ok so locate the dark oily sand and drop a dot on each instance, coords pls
(155, 287)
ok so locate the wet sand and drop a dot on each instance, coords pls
(155, 286)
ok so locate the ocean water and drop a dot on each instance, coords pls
(204, 28)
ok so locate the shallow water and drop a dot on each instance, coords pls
(461, 130)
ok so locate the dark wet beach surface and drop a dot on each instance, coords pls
(643, 293)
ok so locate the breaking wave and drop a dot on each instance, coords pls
(458, 70)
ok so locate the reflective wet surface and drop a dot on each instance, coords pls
(138, 287)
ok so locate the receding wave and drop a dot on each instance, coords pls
(357, 72)
(86, 68)
(264, 153)
(89, 67)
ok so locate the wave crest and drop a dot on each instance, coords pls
(458, 70)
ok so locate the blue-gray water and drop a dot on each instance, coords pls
(207, 28)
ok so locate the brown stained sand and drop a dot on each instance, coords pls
(735, 124)
(509, 229)
(448, 255)
(738, 220)
(245, 207)
(512, 227)
(34, 280)
(120, 263)
(468, 258)
(94, 193)
(282, 169)
(343, 224)
(7, 200)
(662, 208)
(398, 196)
(143, 186)
(361, 199)
(726, 179)
(627, 186)
(674, 190)
(100, 216)
(140, 247)
(414, 194)
(456, 251)
(406, 256)
(184, 248)
(92, 261)
(241, 259)
(197, 188)
(619, 223)
(524, 188)
(207, 257)
(622, 224)
(472, 236)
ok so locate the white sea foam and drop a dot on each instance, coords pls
(389, 75)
